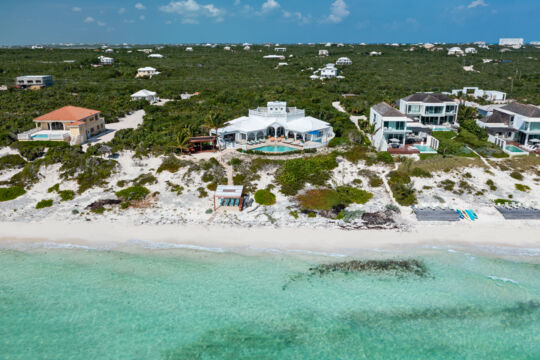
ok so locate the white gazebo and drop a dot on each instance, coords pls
(277, 122)
(144, 94)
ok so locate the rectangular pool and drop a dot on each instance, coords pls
(424, 149)
(441, 129)
(513, 149)
(40, 136)
(274, 148)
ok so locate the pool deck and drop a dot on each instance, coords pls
(297, 145)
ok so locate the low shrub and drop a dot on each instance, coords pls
(265, 197)
(178, 189)
(491, 185)
(11, 193)
(144, 179)
(44, 203)
(447, 185)
(295, 173)
(212, 186)
(171, 164)
(503, 201)
(418, 172)
(202, 192)
(402, 188)
(133, 193)
(66, 195)
(11, 161)
(516, 175)
(385, 157)
(522, 187)
(326, 199)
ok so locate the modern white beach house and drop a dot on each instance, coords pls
(432, 109)
(515, 122)
(390, 126)
(490, 95)
(144, 94)
(104, 60)
(343, 61)
(147, 71)
(275, 124)
(33, 81)
(329, 71)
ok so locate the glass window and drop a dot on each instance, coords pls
(450, 108)
(434, 109)
(413, 109)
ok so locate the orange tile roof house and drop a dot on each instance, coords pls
(71, 124)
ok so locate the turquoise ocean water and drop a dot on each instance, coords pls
(188, 304)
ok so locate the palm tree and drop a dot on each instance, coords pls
(213, 121)
(182, 139)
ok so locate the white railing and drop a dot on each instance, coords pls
(500, 142)
(432, 142)
(27, 135)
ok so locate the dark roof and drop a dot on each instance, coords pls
(497, 118)
(428, 98)
(495, 130)
(523, 109)
(386, 110)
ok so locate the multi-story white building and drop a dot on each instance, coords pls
(511, 42)
(104, 60)
(147, 71)
(430, 108)
(329, 71)
(28, 81)
(343, 61)
(390, 126)
(514, 121)
(490, 95)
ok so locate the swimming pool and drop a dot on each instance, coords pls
(274, 148)
(441, 129)
(40, 136)
(424, 149)
(513, 149)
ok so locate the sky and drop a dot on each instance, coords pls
(259, 21)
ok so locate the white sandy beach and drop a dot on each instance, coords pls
(106, 235)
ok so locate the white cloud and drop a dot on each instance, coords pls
(89, 19)
(139, 6)
(269, 5)
(101, 23)
(121, 10)
(190, 10)
(477, 3)
(76, 9)
(142, 17)
(338, 12)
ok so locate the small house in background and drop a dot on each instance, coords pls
(456, 51)
(227, 48)
(103, 60)
(109, 51)
(189, 49)
(471, 50)
(155, 56)
(71, 124)
(33, 81)
(323, 52)
(280, 49)
(375, 53)
(147, 71)
(144, 94)
(329, 71)
(247, 47)
(344, 61)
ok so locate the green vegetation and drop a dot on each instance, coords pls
(171, 164)
(175, 188)
(516, 175)
(65, 195)
(294, 174)
(44, 203)
(326, 199)
(133, 193)
(11, 161)
(522, 187)
(202, 192)
(11, 193)
(503, 201)
(265, 197)
(447, 185)
(491, 185)
(402, 188)
(144, 179)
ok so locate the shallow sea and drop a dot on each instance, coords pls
(166, 303)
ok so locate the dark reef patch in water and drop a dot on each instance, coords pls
(393, 267)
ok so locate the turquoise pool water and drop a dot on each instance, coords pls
(40, 136)
(441, 129)
(514, 149)
(424, 149)
(274, 148)
(181, 304)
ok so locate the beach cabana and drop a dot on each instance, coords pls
(201, 140)
(229, 196)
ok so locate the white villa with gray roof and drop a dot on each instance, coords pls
(390, 126)
(430, 109)
(284, 124)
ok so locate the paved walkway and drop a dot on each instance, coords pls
(354, 118)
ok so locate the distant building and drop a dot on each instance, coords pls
(514, 121)
(189, 49)
(471, 50)
(280, 49)
(456, 51)
(227, 48)
(33, 81)
(144, 94)
(390, 126)
(323, 52)
(430, 109)
(147, 72)
(511, 42)
(375, 53)
(156, 56)
(344, 61)
(489, 95)
(103, 60)
(247, 47)
(329, 71)
(280, 57)
(71, 124)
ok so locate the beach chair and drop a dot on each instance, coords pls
(227, 202)
(236, 202)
